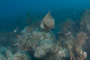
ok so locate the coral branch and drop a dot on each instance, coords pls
(71, 53)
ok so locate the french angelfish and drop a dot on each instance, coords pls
(47, 22)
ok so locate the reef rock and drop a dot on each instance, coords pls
(29, 41)
(46, 47)
(20, 55)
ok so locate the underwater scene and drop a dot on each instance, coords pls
(44, 29)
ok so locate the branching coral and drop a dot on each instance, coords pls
(71, 53)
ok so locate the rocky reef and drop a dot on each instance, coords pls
(42, 43)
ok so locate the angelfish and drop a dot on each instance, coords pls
(47, 22)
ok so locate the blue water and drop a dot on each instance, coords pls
(12, 10)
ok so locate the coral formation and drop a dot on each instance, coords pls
(31, 40)
(46, 48)
(42, 43)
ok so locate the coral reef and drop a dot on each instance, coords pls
(40, 44)
(44, 44)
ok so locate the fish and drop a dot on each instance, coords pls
(47, 22)
(15, 31)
